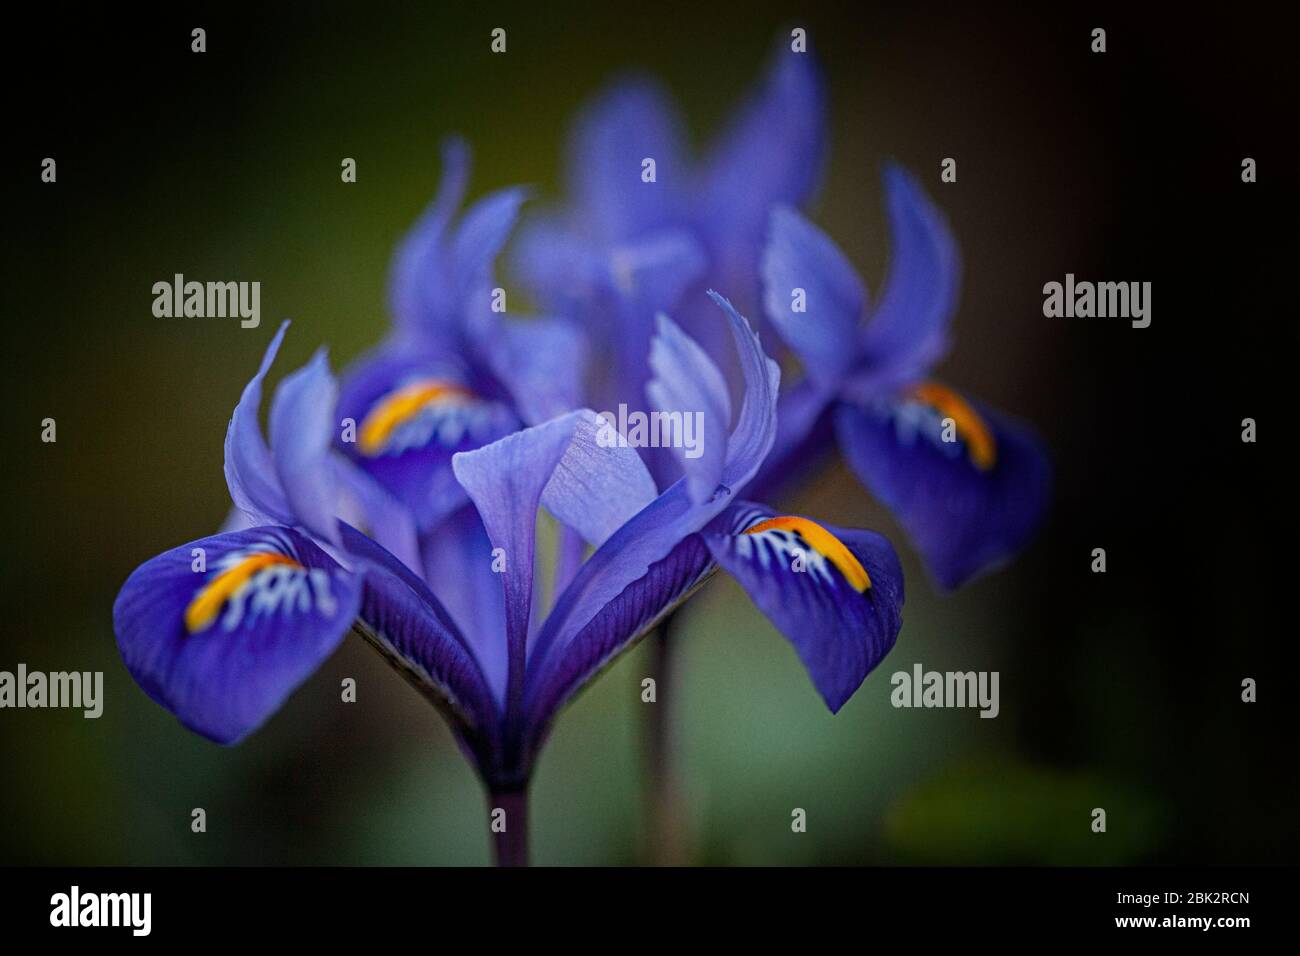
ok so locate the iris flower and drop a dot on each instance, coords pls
(455, 373)
(621, 249)
(968, 484)
(221, 630)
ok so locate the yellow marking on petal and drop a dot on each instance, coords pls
(970, 425)
(203, 610)
(825, 543)
(400, 406)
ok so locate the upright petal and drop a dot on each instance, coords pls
(661, 526)
(599, 483)
(688, 388)
(505, 481)
(459, 568)
(632, 122)
(420, 276)
(755, 428)
(250, 471)
(812, 296)
(909, 330)
(968, 486)
(773, 153)
(302, 433)
(480, 236)
(220, 631)
(835, 593)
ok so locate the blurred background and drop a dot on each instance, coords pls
(1119, 690)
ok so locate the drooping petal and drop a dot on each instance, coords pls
(909, 330)
(773, 153)
(220, 636)
(403, 619)
(412, 412)
(630, 123)
(302, 433)
(505, 481)
(835, 593)
(629, 615)
(653, 533)
(968, 486)
(689, 389)
(460, 568)
(250, 470)
(803, 269)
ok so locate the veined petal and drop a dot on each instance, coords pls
(835, 593)
(250, 471)
(302, 430)
(687, 383)
(969, 486)
(655, 531)
(599, 483)
(220, 631)
(628, 124)
(909, 330)
(628, 616)
(459, 568)
(505, 481)
(755, 428)
(800, 262)
(403, 619)
(412, 412)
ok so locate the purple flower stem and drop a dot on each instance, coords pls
(664, 805)
(509, 845)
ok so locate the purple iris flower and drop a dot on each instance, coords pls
(456, 372)
(622, 248)
(968, 484)
(220, 631)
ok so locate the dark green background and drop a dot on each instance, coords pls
(1119, 691)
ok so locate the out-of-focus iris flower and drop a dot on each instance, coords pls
(455, 373)
(968, 484)
(221, 643)
(623, 248)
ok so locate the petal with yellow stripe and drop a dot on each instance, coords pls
(968, 485)
(220, 631)
(835, 593)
